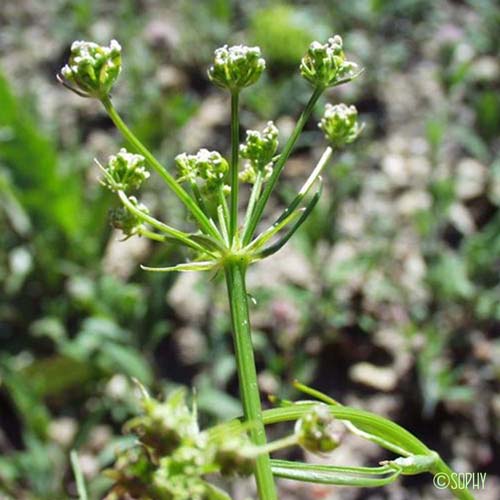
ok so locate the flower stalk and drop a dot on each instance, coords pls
(235, 129)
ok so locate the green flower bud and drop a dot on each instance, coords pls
(259, 149)
(324, 65)
(92, 69)
(186, 165)
(121, 218)
(206, 165)
(236, 67)
(314, 431)
(340, 124)
(125, 171)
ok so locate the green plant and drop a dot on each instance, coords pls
(175, 455)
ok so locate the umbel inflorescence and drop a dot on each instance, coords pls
(205, 181)
(173, 458)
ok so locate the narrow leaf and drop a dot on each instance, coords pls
(188, 266)
(339, 476)
(282, 241)
(264, 237)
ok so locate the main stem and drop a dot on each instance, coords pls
(247, 374)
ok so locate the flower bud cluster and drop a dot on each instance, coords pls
(125, 171)
(175, 455)
(324, 65)
(340, 124)
(93, 69)
(236, 67)
(315, 431)
(259, 149)
(135, 475)
(165, 426)
(123, 219)
(209, 166)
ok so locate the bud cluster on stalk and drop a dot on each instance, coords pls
(325, 65)
(340, 124)
(125, 172)
(174, 455)
(259, 150)
(236, 67)
(208, 166)
(315, 432)
(92, 69)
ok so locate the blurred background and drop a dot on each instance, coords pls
(388, 299)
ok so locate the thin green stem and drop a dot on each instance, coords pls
(279, 444)
(278, 167)
(325, 157)
(224, 211)
(235, 278)
(198, 197)
(222, 224)
(170, 231)
(377, 426)
(77, 471)
(254, 196)
(151, 235)
(206, 225)
(235, 142)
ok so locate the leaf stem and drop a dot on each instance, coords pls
(206, 225)
(235, 278)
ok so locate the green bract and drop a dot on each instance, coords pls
(259, 149)
(314, 431)
(324, 65)
(236, 67)
(340, 124)
(125, 171)
(92, 69)
(206, 165)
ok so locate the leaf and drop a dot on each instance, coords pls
(303, 217)
(264, 237)
(188, 266)
(364, 477)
